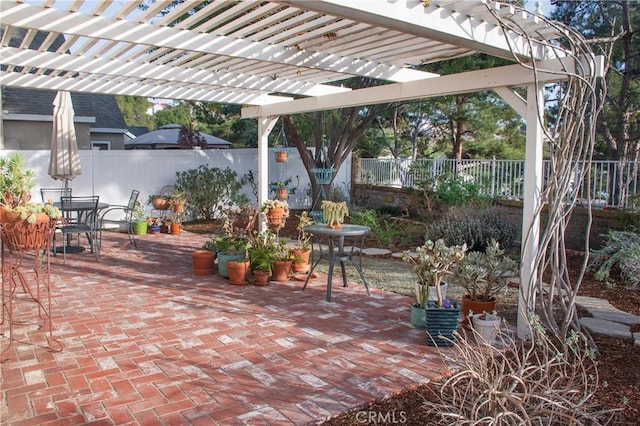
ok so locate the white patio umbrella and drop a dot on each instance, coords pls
(64, 163)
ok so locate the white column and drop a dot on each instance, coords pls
(533, 180)
(265, 125)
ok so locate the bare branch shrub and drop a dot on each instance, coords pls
(514, 383)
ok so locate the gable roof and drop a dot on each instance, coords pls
(40, 102)
(28, 101)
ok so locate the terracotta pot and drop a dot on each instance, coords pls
(260, 277)
(275, 216)
(282, 193)
(238, 270)
(160, 203)
(281, 156)
(177, 206)
(334, 225)
(302, 266)
(281, 270)
(175, 228)
(477, 307)
(223, 257)
(203, 261)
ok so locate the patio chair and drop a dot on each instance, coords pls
(126, 221)
(81, 214)
(54, 194)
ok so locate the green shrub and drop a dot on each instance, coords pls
(385, 231)
(211, 190)
(620, 250)
(475, 224)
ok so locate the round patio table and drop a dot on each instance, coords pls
(336, 251)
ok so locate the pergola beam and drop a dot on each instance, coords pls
(471, 81)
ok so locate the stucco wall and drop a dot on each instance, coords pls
(18, 134)
(603, 220)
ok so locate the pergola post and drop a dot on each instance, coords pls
(533, 181)
(265, 125)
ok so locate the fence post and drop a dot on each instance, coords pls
(493, 177)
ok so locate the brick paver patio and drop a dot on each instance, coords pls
(147, 342)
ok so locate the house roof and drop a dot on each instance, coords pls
(34, 101)
(166, 137)
(257, 53)
(40, 102)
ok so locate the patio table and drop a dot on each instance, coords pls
(79, 207)
(336, 252)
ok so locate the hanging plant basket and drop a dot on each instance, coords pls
(323, 176)
(282, 193)
(281, 156)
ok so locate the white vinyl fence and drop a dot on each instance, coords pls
(113, 174)
(504, 178)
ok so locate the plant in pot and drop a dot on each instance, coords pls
(283, 262)
(159, 202)
(432, 262)
(276, 212)
(177, 201)
(483, 275)
(139, 219)
(302, 248)
(238, 267)
(334, 213)
(230, 247)
(16, 182)
(486, 326)
(262, 255)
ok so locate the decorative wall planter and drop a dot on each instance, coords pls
(441, 323)
(203, 261)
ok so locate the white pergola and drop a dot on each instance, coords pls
(287, 57)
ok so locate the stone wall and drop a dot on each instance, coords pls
(369, 196)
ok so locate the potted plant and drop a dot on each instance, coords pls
(282, 265)
(334, 213)
(282, 188)
(177, 201)
(158, 202)
(486, 326)
(139, 219)
(433, 262)
(302, 249)
(276, 211)
(262, 255)
(16, 182)
(229, 247)
(483, 275)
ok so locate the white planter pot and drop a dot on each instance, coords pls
(487, 326)
(433, 295)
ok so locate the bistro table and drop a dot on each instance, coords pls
(80, 207)
(336, 252)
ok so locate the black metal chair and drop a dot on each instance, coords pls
(81, 214)
(54, 194)
(126, 221)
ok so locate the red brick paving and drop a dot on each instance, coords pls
(148, 342)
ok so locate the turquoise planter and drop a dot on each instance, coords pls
(418, 317)
(222, 262)
(441, 323)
